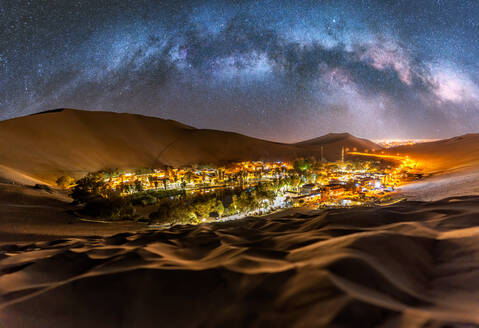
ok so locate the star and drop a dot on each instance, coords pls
(398, 69)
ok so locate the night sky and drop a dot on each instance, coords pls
(283, 71)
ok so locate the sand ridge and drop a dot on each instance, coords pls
(412, 264)
(74, 142)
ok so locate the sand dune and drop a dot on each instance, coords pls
(459, 183)
(74, 142)
(47, 145)
(452, 154)
(333, 143)
(412, 264)
(31, 214)
(453, 166)
(9, 175)
(408, 265)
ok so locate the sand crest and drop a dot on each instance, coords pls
(409, 265)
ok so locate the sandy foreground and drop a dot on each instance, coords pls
(412, 264)
(458, 183)
(28, 214)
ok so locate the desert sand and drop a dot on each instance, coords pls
(72, 142)
(458, 153)
(30, 214)
(333, 143)
(452, 166)
(411, 264)
(408, 265)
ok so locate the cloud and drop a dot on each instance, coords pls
(389, 55)
(245, 48)
(452, 85)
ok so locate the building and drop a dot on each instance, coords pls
(307, 188)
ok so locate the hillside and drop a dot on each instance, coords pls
(333, 142)
(66, 141)
(452, 163)
(460, 152)
(53, 143)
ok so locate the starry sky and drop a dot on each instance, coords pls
(280, 70)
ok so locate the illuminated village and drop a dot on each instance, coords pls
(236, 190)
(389, 143)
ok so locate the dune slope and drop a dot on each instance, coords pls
(65, 141)
(456, 153)
(333, 143)
(408, 265)
(452, 163)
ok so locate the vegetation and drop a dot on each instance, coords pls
(101, 201)
(90, 187)
(65, 182)
(196, 208)
(186, 195)
(113, 208)
(302, 165)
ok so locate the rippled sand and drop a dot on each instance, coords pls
(408, 265)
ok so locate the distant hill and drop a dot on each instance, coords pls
(49, 144)
(460, 152)
(453, 165)
(52, 143)
(333, 142)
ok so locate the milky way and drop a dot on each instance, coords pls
(278, 70)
